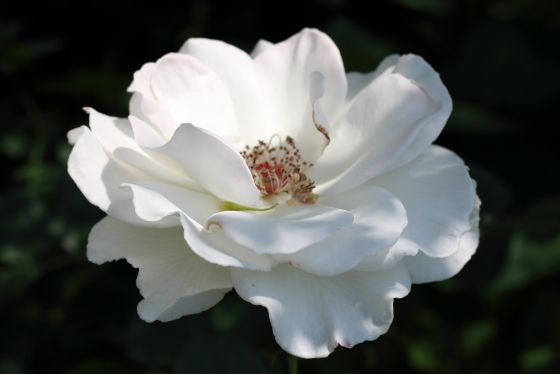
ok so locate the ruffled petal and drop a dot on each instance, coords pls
(142, 81)
(311, 315)
(213, 163)
(98, 177)
(118, 140)
(154, 113)
(418, 70)
(379, 219)
(425, 269)
(194, 94)
(285, 69)
(144, 134)
(386, 258)
(144, 105)
(217, 248)
(261, 46)
(188, 305)
(438, 195)
(358, 81)
(168, 269)
(156, 201)
(74, 134)
(236, 70)
(384, 119)
(284, 229)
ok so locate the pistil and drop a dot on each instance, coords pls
(280, 169)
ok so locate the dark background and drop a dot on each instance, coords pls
(501, 63)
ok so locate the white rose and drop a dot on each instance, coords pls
(312, 192)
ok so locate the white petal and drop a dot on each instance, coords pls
(386, 258)
(142, 81)
(144, 134)
(425, 269)
(358, 81)
(74, 134)
(379, 219)
(190, 305)
(311, 315)
(99, 177)
(217, 248)
(155, 201)
(316, 92)
(438, 195)
(285, 68)
(415, 68)
(169, 272)
(313, 139)
(284, 229)
(117, 139)
(384, 119)
(194, 94)
(154, 113)
(261, 46)
(236, 70)
(213, 163)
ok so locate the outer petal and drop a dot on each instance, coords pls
(156, 201)
(189, 305)
(213, 163)
(99, 177)
(383, 120)
(117, 139)
(438, 195)
(285, 68)
(384, 259)
(143, 103)
(144, 134)
(261, 46)
(283, 229)
(236, 70)
(170, 273)
(425, 269)
(379, 219)
(311, 315)
(194, 94)
(156, 114)
(358, 81)
(74, 134)
(142, 81)
(415, 68)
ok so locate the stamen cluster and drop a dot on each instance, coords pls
(280, 169)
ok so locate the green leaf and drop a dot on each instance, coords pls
(14, 145)
(536, 358)
(527, 260)
(477, 335)
(421, 355)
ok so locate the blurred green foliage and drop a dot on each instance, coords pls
(61, 314)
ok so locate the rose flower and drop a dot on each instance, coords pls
(313, 192)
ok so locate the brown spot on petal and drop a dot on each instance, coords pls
(210, 223)
(324, 131)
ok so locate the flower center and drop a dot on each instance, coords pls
(280, 169)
